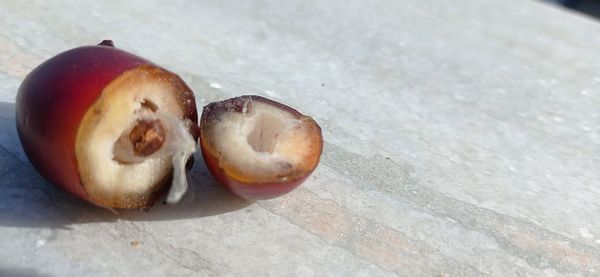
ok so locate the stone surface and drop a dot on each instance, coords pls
(462, 139)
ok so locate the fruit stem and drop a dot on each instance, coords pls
(107, 42)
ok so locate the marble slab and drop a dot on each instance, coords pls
(462, 138)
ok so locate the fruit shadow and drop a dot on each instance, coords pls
(21, 272)
(27, 200)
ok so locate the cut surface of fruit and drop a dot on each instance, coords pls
(134, 138)
(107, 126)
(255, 141)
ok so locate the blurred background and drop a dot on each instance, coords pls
(589, 7)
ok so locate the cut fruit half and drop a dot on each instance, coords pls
(134, 138)
(259, 148)
(108, 126)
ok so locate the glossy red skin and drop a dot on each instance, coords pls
(247, 190)
(53, 99)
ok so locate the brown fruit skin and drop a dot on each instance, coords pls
(55, 96)
(245, 189)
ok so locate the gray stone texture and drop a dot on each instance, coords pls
(462, 138)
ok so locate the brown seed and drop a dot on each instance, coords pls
(147, 137)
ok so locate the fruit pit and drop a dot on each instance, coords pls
(147, 137)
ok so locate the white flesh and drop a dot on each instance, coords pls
(118, 111)
(263, 141)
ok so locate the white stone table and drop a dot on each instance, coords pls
(462, 138)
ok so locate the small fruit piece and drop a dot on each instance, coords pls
(259, 148)
(108, 126)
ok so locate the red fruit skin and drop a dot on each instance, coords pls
(53, 99)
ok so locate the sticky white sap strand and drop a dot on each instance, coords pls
(181, 145)
(179, 185)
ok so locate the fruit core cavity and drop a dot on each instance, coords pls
(265, 130)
